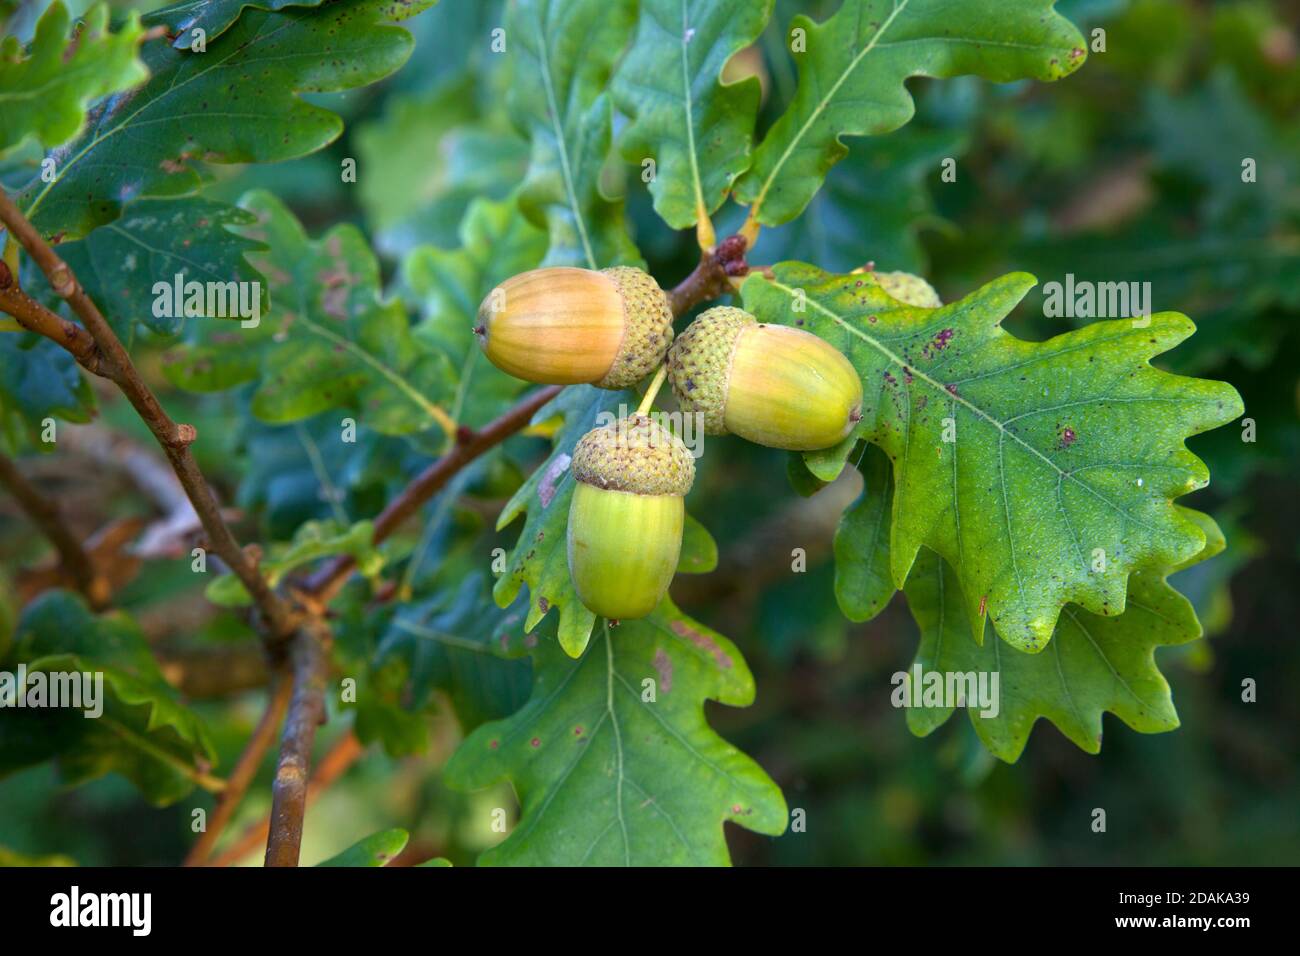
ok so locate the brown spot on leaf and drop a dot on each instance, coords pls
(664, 667)
(702, 641)
(550, 478)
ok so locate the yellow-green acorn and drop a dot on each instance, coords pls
(771, 384)
(909, 289)
(566, 326)
(625, 522)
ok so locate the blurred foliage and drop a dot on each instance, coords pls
(1130, 168)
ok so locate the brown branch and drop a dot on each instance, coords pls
(307, 656)
(112, 361)
(35, 317)
(44, 513)
(244, 771)
(711, 278)
(345, 752)
(323, 585)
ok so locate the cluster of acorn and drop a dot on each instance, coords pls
(778, 386)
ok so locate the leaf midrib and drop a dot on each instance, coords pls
(822, 105)
(939, 387)
(700, 208)
(544, 61)
(398, 381)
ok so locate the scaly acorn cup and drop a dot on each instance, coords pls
(625, 522)
(567, 326)
(771, 384)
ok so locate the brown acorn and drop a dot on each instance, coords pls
(567, 326)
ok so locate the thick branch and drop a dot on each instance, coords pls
(326, 583)
(345, 752)
(45, 515)
(115, 363)
(244, 771)
(307, 654)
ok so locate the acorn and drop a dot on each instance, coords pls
(567, 326)
(909, 289)
(772, 384)
(625, 522)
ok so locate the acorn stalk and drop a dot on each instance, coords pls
(626, 516)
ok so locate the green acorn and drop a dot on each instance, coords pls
(625, 522)
(566, 326)
(771, 384)
(909, 289)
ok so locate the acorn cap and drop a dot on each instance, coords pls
(909, 289)
(635, 454)
(699, 364)
(647, 327)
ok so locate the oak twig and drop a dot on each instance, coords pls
(244, 771)
(325, 584)
(110, 359)
(345, 752)
(712, 277)
(307, 657)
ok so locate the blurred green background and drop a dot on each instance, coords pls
(1129, 169)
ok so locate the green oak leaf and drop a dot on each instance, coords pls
(144, 733)
(558, 99)
(497, 241)
(446, 154)
(540, 558)
(1044, 472)
(852, 80)
(863, 579)
(45, 92)
(697, 129)
(330, 341)
(40, 379)
(606, 776)
(459, 642)
(378, 849)
(1094, 663)
(213, 17)
(312, 541)
(155, 240)
(236, 103)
